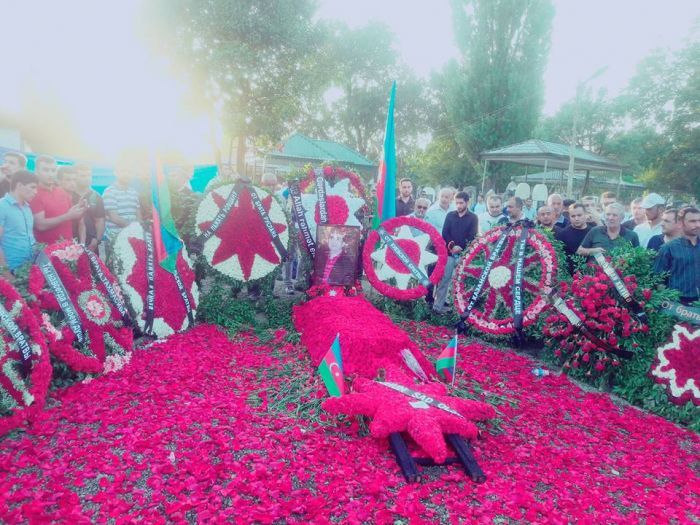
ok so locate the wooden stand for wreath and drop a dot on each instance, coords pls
(409, 464)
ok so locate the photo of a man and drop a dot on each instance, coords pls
(336, 255)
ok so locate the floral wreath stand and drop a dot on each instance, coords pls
(486, 283)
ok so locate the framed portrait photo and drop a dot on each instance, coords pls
(337, 253)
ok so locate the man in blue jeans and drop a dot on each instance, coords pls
(460, 229)
(17, 223)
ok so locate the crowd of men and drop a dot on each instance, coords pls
(54, 203)
(584, 228)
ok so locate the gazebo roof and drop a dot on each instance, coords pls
(535, 152)
(557, 176)
(299, 146)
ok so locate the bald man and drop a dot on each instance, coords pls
(545, 218)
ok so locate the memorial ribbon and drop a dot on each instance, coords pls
(518, 283)
(579, 325)
(219, 218)
(687, 314)
(321, 196)
(421, 397)
(61, 294)
(111, 292)
(19, 338)
(151, 281)
(495, 254)
(619, 285)
(257, 203)
(300, 217)
(403, 257)
(185, 297)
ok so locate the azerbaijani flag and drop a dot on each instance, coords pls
(331, 369)
(447, 361)
(166, 239)
(386, 177)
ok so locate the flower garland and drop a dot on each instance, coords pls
(345, 198)
(677, 365)
(393, 411)
(20, 399)
(369, 340)
(592, 298)
(494, 314)
(389, 267)
(130, 261)
(242, 247)
(102, 325)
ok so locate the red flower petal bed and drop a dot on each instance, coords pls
(174, 437)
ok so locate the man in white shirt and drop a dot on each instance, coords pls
(438, 211)
(653, 205)
(493, 214)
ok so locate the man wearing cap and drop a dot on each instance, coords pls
(653, 206)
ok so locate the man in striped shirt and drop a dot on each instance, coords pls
(681, 257)
(121, 202)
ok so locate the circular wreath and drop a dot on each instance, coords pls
(413, 236)
(103, 326)
(493, 313)
(677, 365)
(130, 261)
(20, 399)
(345, 198)
(241, 248)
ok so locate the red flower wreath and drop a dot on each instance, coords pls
(27, 402)
(333, 174)
(393, 411)
(101, 321)
(494, 315)
(412, 249)
(170, 312)
(677, 365)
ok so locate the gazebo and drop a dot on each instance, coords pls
(550, 155)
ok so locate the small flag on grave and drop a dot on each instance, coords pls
(447, 361)
(331, 370)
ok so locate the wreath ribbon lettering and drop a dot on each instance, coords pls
(61, 294)
(321, 196)
(111, 292)
(257, 203)
(300, 217)
(681, 312)
(219, 218)
(421, 397)
(151, 281)
(19, 338)
(518, 282)
(403, 257)
(619, 285)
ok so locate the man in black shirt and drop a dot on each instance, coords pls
(574, 233)
(460, 228)
(405, 203)
(91, 229)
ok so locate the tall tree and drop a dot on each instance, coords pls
(494, 95)
(254, 60)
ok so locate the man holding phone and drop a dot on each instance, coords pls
(91, 228)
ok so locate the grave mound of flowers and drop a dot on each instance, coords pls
(202, 428)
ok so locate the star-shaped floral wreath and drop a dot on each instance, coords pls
(677, 365)
(242, 248)
(170, 312)
(393, 411)
(103, 326)
(388, 274)
(342, 206)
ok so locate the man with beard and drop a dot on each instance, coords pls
(459, 230)
(405, 202)
(671, 228)
(653, 205)
(680, 258)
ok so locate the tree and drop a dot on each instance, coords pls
(494, 96)
(255, 60)
(359, 66)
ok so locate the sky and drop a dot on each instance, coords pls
(86, 63)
